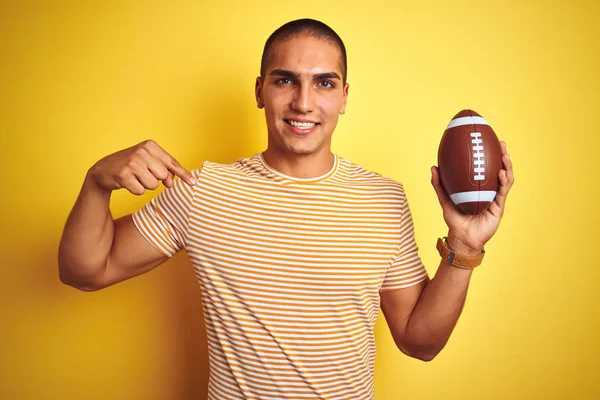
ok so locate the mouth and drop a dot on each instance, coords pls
(301, 126)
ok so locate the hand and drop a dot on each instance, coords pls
(467, 234)
(138, 168)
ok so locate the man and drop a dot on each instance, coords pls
(296, 248)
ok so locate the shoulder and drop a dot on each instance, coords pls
(247, 166)
(356, 175)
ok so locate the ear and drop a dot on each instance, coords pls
(345, 100)
(258, 93)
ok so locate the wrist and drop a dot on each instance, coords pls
(460, 247)
(91, 184)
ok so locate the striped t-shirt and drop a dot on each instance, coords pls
(290, 271)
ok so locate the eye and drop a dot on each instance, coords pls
(326, 84)
(284, 81)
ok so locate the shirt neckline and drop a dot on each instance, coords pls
(327, 175)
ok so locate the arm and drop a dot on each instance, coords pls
(421, 318)
(95, 251)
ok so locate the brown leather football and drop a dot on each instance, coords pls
(469, 159)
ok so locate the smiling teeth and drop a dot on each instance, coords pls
(303, 124)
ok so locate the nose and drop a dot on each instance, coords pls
(304, 98)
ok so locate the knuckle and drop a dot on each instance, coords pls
(162, 173)
(136, 189)
(153, 185)
(140, 152)
(175, 163)
(148, 144)
(132, 164)
(121, 176)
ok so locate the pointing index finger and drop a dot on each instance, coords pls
(171, 163)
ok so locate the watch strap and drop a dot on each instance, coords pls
(455, 259)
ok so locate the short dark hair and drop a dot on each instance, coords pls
(305, 27)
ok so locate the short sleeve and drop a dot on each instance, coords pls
(164, 220)
(406, 268)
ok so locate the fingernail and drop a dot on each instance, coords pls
(193, 180)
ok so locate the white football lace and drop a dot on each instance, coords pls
(478, 169)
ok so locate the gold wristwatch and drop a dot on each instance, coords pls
(455, 259)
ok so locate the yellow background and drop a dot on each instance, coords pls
(80, 80)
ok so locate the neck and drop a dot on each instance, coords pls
(304, 166)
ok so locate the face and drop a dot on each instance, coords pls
(303, 95)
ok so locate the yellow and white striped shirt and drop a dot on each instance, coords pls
(290, 270)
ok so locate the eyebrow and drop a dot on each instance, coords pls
(290, 74)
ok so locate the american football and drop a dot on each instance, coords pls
(469, 160)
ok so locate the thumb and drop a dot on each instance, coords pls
(437, 186)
